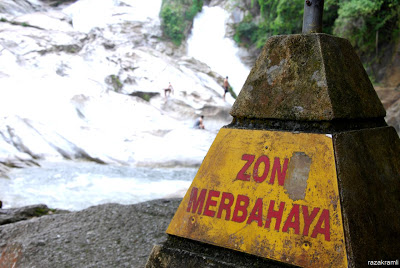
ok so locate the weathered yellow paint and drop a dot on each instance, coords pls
(312, 184)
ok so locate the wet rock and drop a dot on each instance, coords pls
(19, 7)
(109, 235)
(13, 215)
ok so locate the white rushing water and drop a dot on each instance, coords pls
(78, 185)
(208, 44)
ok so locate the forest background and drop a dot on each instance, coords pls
(372, 26)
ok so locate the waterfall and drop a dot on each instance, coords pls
(58, 105)
(208, 44)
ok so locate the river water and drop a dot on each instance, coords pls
(78, 185)
(75, 185)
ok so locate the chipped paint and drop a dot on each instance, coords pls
(244, 197)
(297, 176)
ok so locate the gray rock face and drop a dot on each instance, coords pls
(19, 214)
(393, 115)
(19, 6)
(108, 235)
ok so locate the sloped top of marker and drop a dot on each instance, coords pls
(308, 77)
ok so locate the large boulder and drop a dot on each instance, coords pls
(109, 235)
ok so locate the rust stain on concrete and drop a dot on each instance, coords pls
(10, 255)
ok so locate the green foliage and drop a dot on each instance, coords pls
(146, 97)
(195, 8)
(177, 18)
(115, 82)
(289, 19)
(172, 24)
(40, 212)
(331, 8)
(359, 7)
(365, 23)
(277, 17)
(246, 31)
(233, 94)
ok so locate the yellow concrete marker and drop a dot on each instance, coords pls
(268, 193)
(306, 174)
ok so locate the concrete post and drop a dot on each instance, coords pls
(307, 173)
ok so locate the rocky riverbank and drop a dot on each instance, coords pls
(109, 235)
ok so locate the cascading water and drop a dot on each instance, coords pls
(77, 185)
(208, 44)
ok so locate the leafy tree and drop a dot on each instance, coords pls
(246, 31)
(195, 8)
(330, 15)
(372, 26)
(368, 23)
(172, 23)
(288, 18)
(278, 17)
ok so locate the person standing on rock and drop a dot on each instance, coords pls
(226, 86)
(168, 90)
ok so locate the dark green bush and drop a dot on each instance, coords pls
(368, 23)
(194, 9)
(172, 24)
(246, 31)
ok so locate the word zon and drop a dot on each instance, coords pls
(237, 211)
(277, 169)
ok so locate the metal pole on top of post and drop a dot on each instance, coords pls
(312, 18)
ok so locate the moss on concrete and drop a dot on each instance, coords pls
(308, 77)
